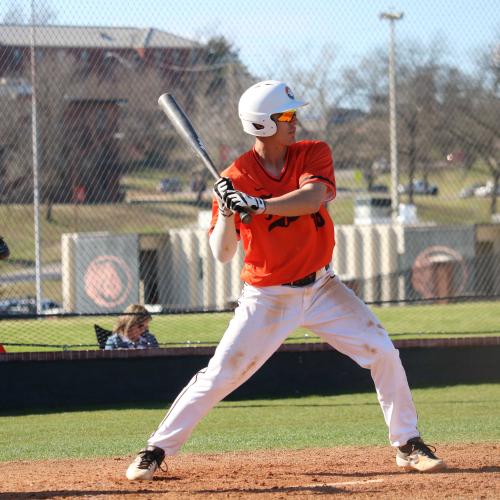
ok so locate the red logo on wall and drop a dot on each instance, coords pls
(108, 281)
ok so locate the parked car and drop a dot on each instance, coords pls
(420, 186)
(154, 308)
(379, 188)
(28, 306)
(51, 307)
(486, 190)
(170, 185)
(469, 191)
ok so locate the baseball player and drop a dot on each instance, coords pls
(288, 282)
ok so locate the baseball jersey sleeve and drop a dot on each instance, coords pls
(319, 168)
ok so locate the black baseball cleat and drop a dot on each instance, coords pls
(145, 464)
(416, 455)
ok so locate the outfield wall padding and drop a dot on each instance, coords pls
(78, 378)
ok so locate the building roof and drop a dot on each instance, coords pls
(19, 35)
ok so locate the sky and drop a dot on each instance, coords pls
(267, 32)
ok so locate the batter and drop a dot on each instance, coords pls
(288, 247)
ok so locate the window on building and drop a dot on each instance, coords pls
(101, 119)
(158, 56)
(175, 57)
(17, 56)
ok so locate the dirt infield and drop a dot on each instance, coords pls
(357, 472)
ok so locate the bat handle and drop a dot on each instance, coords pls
(246, 218)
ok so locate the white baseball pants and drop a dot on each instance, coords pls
(264, 318)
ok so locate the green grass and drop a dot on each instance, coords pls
(410, 320)
(115, 218)
(146, 180)
(435, 209)
(424, 321)
(458, 414)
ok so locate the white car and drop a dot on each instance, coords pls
(486, 190)
(469, 191)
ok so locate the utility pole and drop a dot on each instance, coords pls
(392, 17)
(36, 182)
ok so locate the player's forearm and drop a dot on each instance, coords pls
(300, 202)
(223, 240)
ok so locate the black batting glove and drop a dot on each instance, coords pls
(221, 188)
(241, 202)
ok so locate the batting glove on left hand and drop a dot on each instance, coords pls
(242, 202)
(221, 188)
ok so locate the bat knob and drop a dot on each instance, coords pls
(246, 218)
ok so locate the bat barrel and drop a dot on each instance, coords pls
(185, 129)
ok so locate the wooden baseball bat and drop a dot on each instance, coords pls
(185, 129)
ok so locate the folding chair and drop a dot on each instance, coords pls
(102, 335)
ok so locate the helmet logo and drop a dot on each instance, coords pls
(289, 92)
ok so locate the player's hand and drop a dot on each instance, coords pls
(242, 202)
(221, 188)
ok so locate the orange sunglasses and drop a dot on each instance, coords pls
(287, 116)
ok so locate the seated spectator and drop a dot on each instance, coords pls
(131, 330)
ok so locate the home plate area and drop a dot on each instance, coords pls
(358, 472)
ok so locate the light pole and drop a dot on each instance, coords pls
(392, 17)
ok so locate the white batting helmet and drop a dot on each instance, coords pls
(262, 100)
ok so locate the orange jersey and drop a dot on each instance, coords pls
(283, 249)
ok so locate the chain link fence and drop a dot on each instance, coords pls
(102, 204)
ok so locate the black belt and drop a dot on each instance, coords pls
(306, 280)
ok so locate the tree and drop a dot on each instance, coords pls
(218, 58)
(334, 111)
(215, 104)
(315, 85)
(417, 89)
(366, 141)
(43, 14)
(470, 117)
(419, 74)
